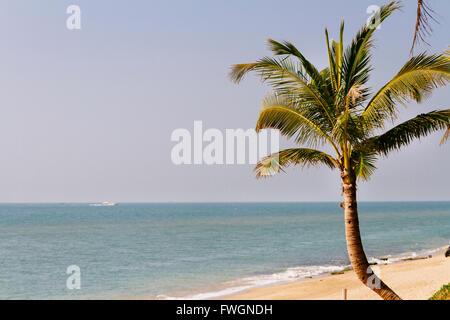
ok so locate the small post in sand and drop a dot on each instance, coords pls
(344, 294)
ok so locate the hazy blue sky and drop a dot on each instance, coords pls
(87, 115)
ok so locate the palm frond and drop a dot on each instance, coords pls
(275, 162)
(329, 107)
(287, 78)
(339, 51)
(418, 77)
(349, 128)
(279, 112)
(332, 62)
(288, 49)
(404, 133)
(238, 71)
(355, 65)
(364, 164)
(425, 15)
(446, 136)
(335, 53)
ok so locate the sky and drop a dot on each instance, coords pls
(87, 115)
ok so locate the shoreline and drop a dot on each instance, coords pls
(245, 288)
(413, 279)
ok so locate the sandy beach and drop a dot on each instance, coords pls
(412, 280)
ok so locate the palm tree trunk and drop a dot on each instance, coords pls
(355, 249)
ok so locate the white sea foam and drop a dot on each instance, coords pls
(235, 286)
(406, 256)
(293, 274)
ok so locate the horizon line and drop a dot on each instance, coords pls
(209, 202)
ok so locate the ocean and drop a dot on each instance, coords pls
(197, 250)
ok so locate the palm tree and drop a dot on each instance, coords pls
(334, 110)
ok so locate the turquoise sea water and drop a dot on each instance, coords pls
(196, 250)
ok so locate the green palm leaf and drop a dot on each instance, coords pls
(278, 112)
(287, 48)
(288, 79)
(418, 77)
(364, 164)
(348, 127)
(402, 134)
(355, 64)
(275, 162)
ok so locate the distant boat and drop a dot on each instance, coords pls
(103, 204)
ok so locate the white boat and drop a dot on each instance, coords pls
(103, 204)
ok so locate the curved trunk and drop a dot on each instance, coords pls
(355, 249)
